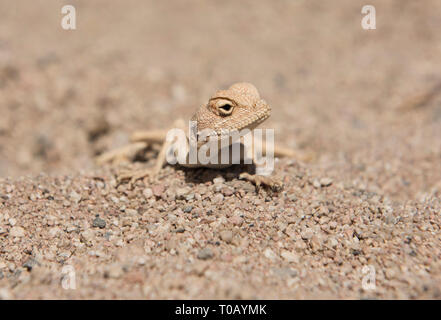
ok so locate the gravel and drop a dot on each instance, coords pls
(154, 245)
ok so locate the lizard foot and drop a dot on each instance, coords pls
(134, 176)
(259, 181)
(118, 155)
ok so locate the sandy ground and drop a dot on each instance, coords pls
(359, 100)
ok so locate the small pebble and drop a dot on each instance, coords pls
(236, 220)
(158, 190)
(307, 234)
(17, 232)
(218, 198)
(147, 193)
(75, 197)
(218, 180)
(30, 263)
(87, 235)
(268, 253)
(290, 256)
(182, 192)
(99, 223)
(226, 236)
(205, 254)
(316, 184)
(325, 182)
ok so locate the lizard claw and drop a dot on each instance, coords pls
(118, 155)
(133, 176)
(259, 181)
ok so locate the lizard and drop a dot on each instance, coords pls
(237, 108)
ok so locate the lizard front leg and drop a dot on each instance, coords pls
(117, 155)
(133, 176)
(157, 136)
(259, 180)
(251, 152)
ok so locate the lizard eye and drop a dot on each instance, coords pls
(226, 109)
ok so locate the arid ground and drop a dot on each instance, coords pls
(359, 220)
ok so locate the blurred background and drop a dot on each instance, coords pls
(362, 100)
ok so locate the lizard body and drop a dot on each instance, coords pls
(237, 108)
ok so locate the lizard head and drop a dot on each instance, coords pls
(239, 107)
